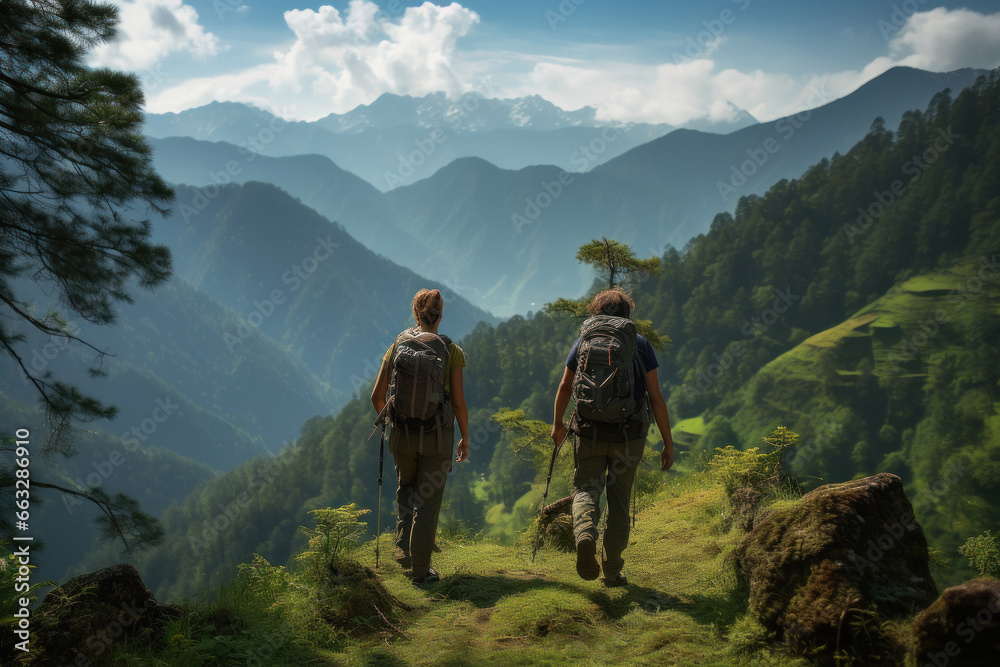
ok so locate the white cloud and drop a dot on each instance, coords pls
(149, 30)
(939, 40)
(942, 40)
(340, 61)
(668, 93)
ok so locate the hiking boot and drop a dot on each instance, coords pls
(428, 578)
(403, 558)
(586, 560)
(616, 581)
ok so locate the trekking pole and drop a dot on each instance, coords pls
(635, 483)
(378, 518)
(545, 494)
(379, 419)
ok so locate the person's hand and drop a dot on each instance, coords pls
(558, 433)
(667, 455)
(463, 450)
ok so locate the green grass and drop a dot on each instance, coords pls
(494, 606)
(694, 426)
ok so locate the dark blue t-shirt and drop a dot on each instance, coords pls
(643, 350)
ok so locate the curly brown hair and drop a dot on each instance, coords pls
(612, 302)
(427, 305)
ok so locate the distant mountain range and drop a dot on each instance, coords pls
(290, 274)
(506, 238)
(397, 139)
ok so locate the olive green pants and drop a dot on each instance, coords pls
(604, 465)
(422, 476)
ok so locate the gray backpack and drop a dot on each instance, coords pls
(416, 384)
(604, 383)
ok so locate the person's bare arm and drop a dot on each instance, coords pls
(381, 387)
(562, 401)
(461, 412)
(659, 407)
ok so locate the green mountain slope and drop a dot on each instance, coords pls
(908, 385)
(313, 179)
(299, 279)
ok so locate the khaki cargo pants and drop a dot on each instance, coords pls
(422, 476)
(604, 465)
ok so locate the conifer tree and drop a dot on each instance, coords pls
(618, 268)
(76, 187)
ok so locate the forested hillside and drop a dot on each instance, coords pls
(806, 259)
(297, 277)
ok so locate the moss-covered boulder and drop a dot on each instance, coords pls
(822, 566)
(962, 627)
(79, 622)
(355, 600)
(556, 524)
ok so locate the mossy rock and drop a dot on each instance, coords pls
(962, 627)
(556, 525)
(82, 621)
(843, 553)
(353, 599)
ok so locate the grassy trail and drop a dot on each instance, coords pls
(493, 606)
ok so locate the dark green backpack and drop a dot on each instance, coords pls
(604, 383)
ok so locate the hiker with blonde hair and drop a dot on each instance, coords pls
(419, 393)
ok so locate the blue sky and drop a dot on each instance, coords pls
(634, 61)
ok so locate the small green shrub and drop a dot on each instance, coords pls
(335, 535)
(983, 552)
(740, 468)
(753, 468)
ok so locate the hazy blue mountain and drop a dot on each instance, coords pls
(661, 193)
(316, 181)
(173, 383)
(299, 279)
(678, 182)
(397, 139)
(507, 238)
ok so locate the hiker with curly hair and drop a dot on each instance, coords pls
(611, 375)
(419, 393)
